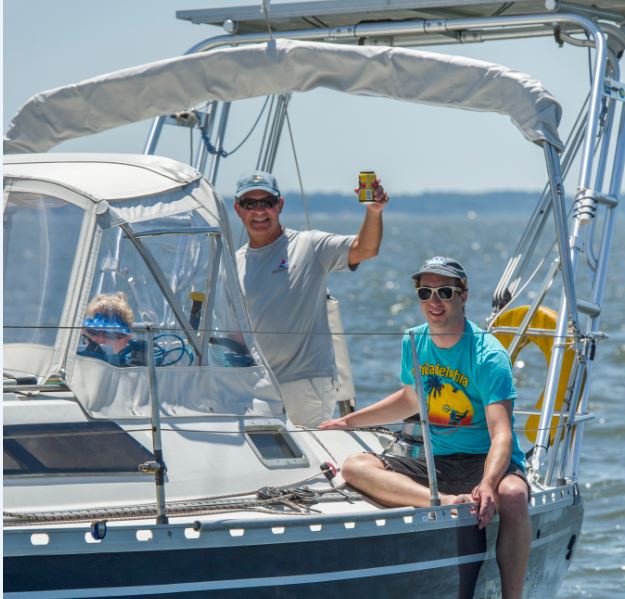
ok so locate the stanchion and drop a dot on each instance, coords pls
(425, 429)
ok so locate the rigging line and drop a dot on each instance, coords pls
(371, 429)
(520, 291)
(589, 62)
(315, 22)
(223, 153)
(260, 114)
(264, 142)
(297, 499)
(574, 139)
(503, 8)
(285, 333)
(299, 174)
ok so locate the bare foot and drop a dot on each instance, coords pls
(463, 498)
(455, 499)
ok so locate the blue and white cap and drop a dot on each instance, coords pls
(257, 180)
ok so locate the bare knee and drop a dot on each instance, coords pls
(512, 499)
(355, 464)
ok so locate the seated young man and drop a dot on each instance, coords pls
(467, 380)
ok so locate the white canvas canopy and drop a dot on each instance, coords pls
(279, 66)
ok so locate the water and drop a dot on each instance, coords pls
(378, 302)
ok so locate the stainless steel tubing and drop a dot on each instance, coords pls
(568, 310)
(600, 278)
(155, 411)
(425, 425)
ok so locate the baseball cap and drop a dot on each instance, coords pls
(257, 180)
(445, 266)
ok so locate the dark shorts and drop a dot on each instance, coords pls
(455, 474)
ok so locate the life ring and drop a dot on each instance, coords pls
(544, 318)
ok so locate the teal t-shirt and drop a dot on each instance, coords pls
(458, 382)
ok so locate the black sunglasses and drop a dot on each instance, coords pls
(445, 293)
(266, 202)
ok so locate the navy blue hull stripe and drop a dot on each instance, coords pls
(157, 567)
(247, 583)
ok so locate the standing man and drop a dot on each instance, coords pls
(467, 380)
(283, 274)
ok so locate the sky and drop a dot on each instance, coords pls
(414, 149)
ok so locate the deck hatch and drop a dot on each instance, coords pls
(68, 448)
(275, 447)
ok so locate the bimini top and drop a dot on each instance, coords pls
(279, 66)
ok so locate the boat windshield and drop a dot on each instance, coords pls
(41, 234)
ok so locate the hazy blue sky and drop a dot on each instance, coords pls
(413, 148)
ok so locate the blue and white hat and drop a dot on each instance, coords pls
(257, 180)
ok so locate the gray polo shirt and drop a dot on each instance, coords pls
(285, 287)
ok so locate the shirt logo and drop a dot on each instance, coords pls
(284, 265)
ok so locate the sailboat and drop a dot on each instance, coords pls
(174, 470)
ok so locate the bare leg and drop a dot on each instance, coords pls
(366, 473)
(513, 540)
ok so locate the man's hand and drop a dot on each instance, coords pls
(367, 242)
(484, 496)
(380, 197)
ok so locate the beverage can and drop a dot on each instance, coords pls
(365, 186)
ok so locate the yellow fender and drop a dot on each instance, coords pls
(545, 318)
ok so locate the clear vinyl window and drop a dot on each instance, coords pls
(40, 239)
(168, 274)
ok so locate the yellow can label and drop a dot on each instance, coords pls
(365, 186)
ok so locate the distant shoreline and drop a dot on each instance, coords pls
(490, 202)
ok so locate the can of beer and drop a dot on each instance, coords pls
(365, 186)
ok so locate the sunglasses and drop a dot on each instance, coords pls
(444, 293)
(266, 202)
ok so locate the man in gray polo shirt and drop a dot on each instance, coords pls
(283, 274)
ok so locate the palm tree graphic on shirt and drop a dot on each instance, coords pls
(447, 403)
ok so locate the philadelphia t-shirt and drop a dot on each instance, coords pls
(458, 382)
(285, 288)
